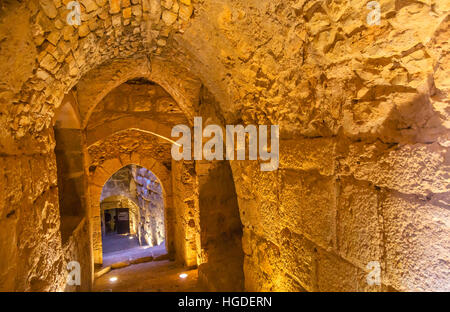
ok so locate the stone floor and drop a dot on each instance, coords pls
(152, 276)
(114, 242)
(119, 248)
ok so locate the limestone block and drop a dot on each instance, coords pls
(175, 7)
(49, 63)
(142, 260)
(146, 4)
(154, 7)
(93, 25)
(53, 37)
(126, 3)
(126, 13)
(137, 10)
(258, 192)
(119, 265)
(59, 24)
(284, 282)
(308, 205)
(249, 210)
(186, 12)
(114, 6)
(83, 30)
(67, 32)
(410, 169)
(116, 21)
(298, 258)
(308, 154)
(167, 3)
(42, 74)
(417, 238)
(161, 42)
(253, 278)
(335, 274)
(90, 5)
(169, 17)
(8, 253)
(49, 8)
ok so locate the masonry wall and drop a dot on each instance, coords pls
(315, 224)
(151, 204)
(364, 161)
(363, 113)
(187, 234)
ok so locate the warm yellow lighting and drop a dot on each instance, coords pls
(156, 134)
(183, 275)
(113, 279)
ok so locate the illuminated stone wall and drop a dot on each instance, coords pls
(151, 203)
(363, 115)
(108, 157)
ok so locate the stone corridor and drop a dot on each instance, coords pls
(359, 199)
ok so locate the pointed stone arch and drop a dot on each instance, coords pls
(102, 173)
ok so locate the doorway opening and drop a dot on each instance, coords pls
(132, 216)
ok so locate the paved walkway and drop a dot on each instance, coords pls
(163, 275)
(117, 242)
(121, 248)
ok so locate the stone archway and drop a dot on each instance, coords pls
(102, 173)
(364, 114)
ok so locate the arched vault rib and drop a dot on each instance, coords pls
(116, 126)
(178, 82)
(144, 131)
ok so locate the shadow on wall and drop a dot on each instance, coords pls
(221, 230)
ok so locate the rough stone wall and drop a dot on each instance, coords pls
(41, 59)
(151, 204)
(120, 184)
(69, 150)
(137, 99)
(187, 225)
(78, 249)
(364, 137)
(363, 112)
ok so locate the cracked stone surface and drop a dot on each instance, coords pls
(364, 136)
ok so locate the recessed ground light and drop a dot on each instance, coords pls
(131, 237)
(183, 275)
(113, 279)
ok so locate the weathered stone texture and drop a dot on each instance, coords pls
(363, 112)
(417, 242)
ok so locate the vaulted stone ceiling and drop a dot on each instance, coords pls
(364, 124)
